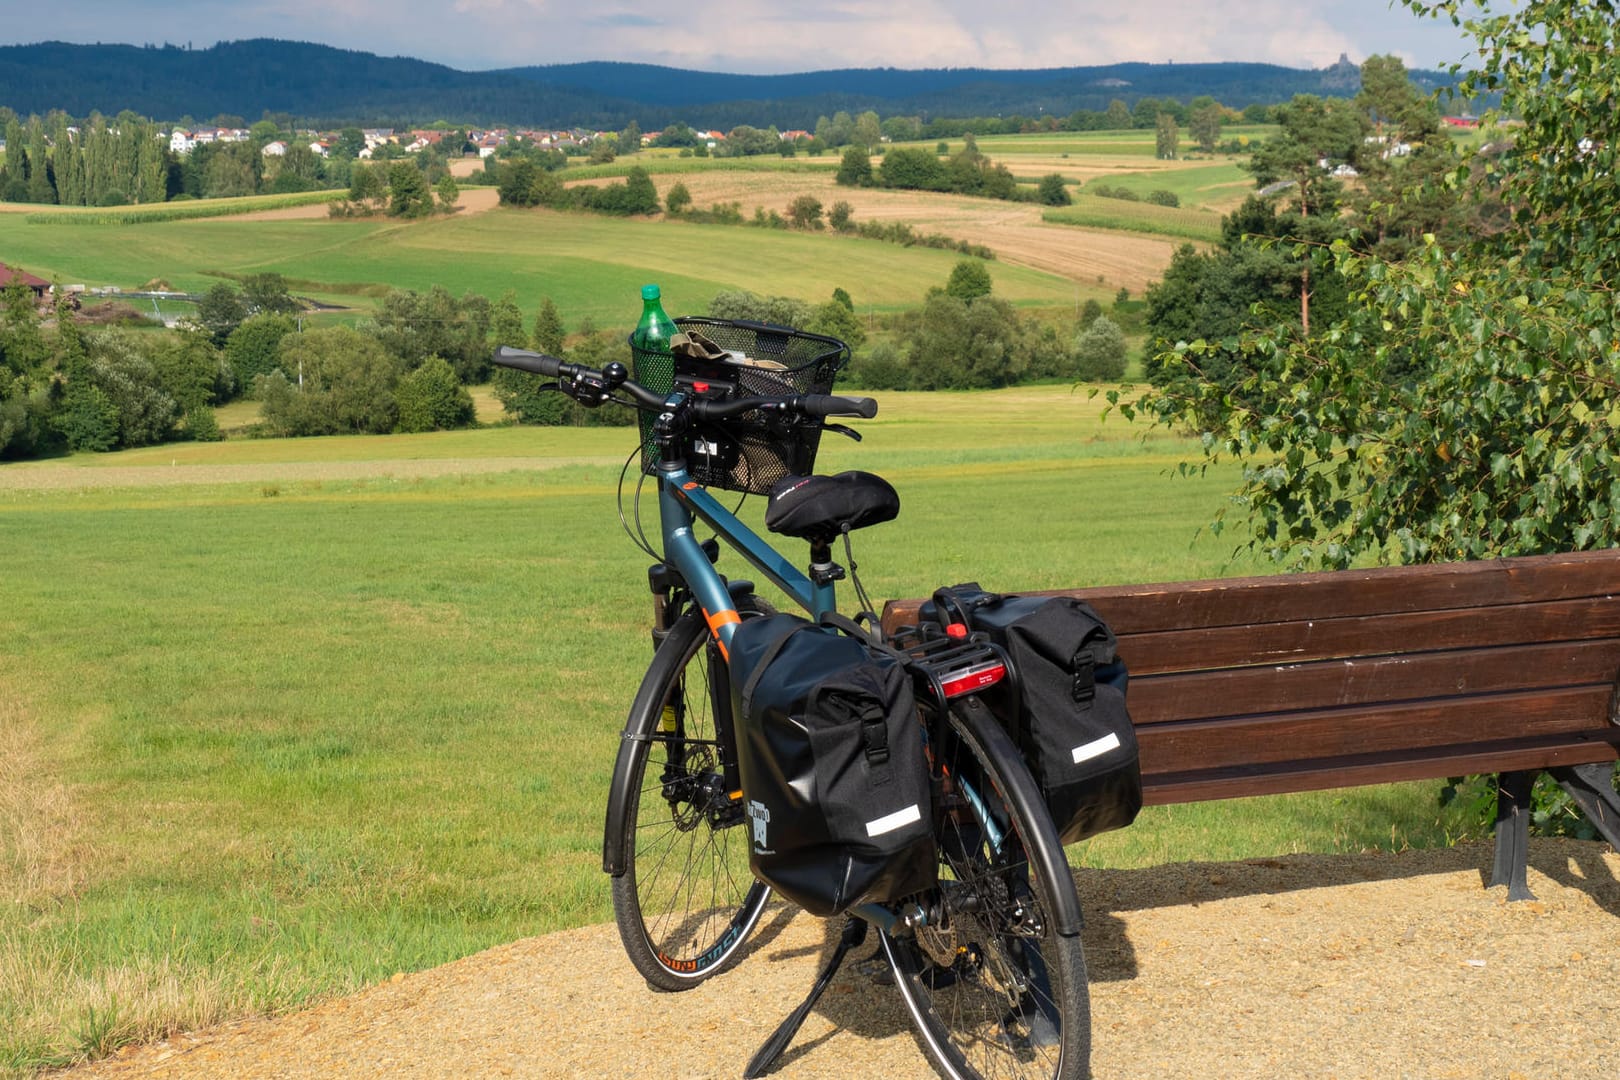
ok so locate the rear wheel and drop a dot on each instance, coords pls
(686, 901)
(995, 990)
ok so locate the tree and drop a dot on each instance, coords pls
(841, 216)
(408, 192)
(368, 186)
(1118, 116)
(679, 199)
(1204, 126)
(1100, 351)
(630, 138)
(221, 311)
(1317, 134)
(916, 169)
(1462, 407)
(751, 307)
(449, 193)
(350, 141)
(332, 381)
(254, 347)
(1166, 137)
(549, 334)
(868, 132)
(413, 326)
(970, 280)
(267, 292)
(805, 212)
(855, 170)
(962, 346)
(191, 370)
(1052, 190)
(430, 399)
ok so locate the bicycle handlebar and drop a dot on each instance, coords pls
(524, 360)
(814, 405)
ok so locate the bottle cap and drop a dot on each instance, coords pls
(649, 292)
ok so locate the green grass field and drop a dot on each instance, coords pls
(270, 740)
(1092, 212)
(591, 266)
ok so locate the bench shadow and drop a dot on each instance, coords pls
(1105, 893)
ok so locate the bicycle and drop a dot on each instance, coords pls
(988, 961)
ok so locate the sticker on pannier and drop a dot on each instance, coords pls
(833, 771)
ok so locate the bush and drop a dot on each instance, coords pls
(1052, 191)
(430, 398)
(254, 348)
(1163, 198)
(1100, 352)
(347, 385)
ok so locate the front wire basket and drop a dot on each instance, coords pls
(748, 453)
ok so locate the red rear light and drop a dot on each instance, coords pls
(970, 679)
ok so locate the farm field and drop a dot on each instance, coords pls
(269, 736)
(587, 264)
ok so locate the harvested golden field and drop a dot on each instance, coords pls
(1014, 231)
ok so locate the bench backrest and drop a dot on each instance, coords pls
(1250, 686)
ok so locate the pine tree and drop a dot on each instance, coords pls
(549, 334)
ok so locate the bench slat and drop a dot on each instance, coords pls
(1391, 730)
(1339, 593)
(1331, 638)
(1369, 680)
(1163, 789)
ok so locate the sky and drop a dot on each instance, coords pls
(773, 36)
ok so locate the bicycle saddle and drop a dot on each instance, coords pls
(818, 508)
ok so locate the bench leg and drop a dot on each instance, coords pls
(1513, 833)
(1592, 788)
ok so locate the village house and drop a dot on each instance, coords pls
(10, 275)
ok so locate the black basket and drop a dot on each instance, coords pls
(753, 451)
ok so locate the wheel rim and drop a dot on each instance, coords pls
(696, 899)
(982, 976)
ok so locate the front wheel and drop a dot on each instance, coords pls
(996, 990)
(685, 901)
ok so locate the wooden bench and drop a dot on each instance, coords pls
(1257, 686)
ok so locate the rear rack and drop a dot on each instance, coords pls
(950, 667)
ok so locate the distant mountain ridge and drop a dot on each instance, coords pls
(322, 84)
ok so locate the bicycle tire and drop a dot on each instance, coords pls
(686, 902)
(993, 987)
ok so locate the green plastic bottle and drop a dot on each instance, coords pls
(653, 332)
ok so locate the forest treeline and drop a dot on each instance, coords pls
(322, 85)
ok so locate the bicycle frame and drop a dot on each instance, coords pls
(681, 503)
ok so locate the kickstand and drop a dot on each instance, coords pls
(761, 1062)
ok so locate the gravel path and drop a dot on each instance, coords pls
(1375, 966)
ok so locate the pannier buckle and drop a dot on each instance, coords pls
(1085, 679)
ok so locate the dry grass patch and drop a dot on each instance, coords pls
(41, 860)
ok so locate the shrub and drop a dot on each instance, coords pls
(430, 398)
(1052, 191)
(1100, 352)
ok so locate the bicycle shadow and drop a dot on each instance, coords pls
(861, 1000)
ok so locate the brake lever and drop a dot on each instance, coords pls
(842, 430)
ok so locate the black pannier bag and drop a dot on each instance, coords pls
(1070, 719)
(833, 772)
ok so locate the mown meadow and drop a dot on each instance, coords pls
(272, 738)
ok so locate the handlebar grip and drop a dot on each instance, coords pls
(833, 405)
(524, 360)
